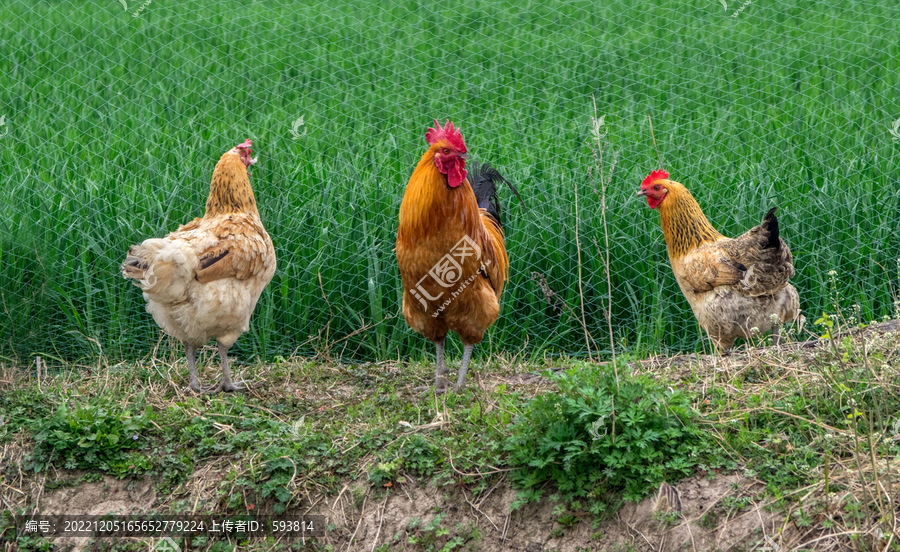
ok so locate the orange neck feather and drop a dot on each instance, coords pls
(429, 203)
(230, 191)
(684, 225)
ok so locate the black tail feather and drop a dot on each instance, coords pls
(484, 179)
(770, 222)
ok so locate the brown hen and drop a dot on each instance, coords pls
(736, 287)
(204, 280)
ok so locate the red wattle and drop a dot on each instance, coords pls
(653, 202)
(453, 167)
(456, 174)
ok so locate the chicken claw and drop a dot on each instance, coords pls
(228, 387)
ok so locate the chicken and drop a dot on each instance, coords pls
(204, 279)
(735, 287)
(450, 248)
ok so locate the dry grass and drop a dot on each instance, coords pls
(804, 390)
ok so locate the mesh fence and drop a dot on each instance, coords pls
(115, 113)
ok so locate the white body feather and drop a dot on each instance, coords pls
(188, 309)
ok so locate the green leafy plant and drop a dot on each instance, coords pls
(709, 519)
(89, 436)
(419, 455)
(383, 474)
(596, 436)
(277, 474)
(434, 537)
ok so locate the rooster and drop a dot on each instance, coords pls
(204, 279)
(735, 287)
(450, 248)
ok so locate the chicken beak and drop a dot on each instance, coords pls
(642, 193)
(464, 155)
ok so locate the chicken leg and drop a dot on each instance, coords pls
(440, 369)
(463, 367)
(226, 384)
(440, 379)
(191, 353)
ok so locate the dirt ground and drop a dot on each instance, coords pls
(534, 528)
(718, 511)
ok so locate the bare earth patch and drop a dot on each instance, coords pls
(393, 518)
(535, 528)
(92, 498)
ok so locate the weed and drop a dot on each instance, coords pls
(383, 474)
(709, 520)
(89, 436)
(420, 455)
(798, 419)
(434, 537)
(667, 518)
(34, 543)
(596, 436)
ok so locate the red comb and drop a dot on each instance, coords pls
(246, 144)
(655, 175)
(448, 132)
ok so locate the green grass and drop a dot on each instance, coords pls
(115, 122)
(793, 424)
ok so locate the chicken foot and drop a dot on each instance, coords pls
(226, 384)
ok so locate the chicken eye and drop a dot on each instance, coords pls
(446, 151)
(656, 187)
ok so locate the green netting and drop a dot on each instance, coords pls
(115, 114)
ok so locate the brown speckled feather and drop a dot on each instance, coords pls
(750, 260)
(733, 285)
(243, 249)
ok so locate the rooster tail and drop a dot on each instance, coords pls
(484, 179)
(770, 223)
(484, 184)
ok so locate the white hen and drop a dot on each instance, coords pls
(204, 280)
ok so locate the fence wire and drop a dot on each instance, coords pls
(115, 113)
